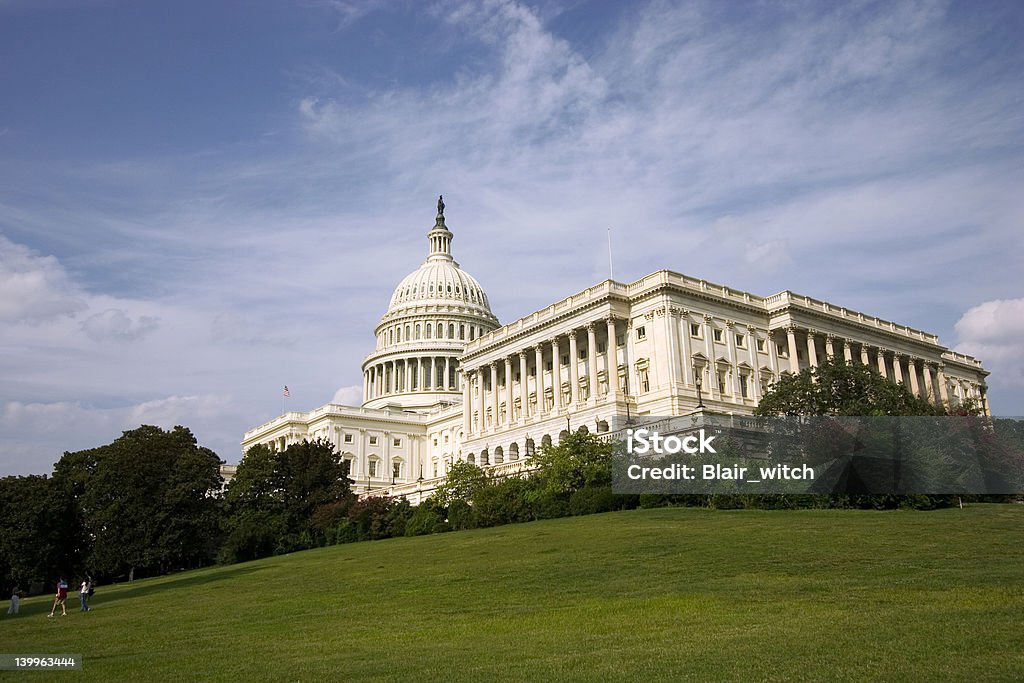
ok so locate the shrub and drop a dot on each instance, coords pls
(592, 499)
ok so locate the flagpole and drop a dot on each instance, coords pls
(611, 275)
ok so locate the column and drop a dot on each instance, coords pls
(495, 418)
(794, 359)
(711, 381)
(812, 350)
(755, 364)
(847, 353)
(432, 383)
(481, 401)
(366, 386)
(897, 368)
(592, 360)
(524, 389)
(574, 369)
(830, 349)
(940, 376)
(912, 371)
(538, 386)
(672, 328)
(865, 360)
(556, 374)
(612, 356)
(730, 349)
(773, 354)
(881, 362)
(508, 390)
(687, 356)
(467, 410)
(929, 387)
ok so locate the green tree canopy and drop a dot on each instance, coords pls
(273, 499)
(149, 501)
(837, 387)
(579, 460)
(463, 481)
(39, 533)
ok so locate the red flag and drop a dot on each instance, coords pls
(286, 393)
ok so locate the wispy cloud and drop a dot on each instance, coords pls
(863, 153)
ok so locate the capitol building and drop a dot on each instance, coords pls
(446, 382)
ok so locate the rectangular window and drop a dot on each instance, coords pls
(397, 442)
(741, 341)
(695, 330)
(396, 470)
(620, 340)
(348, 438)
(782, 350)
(373, 468)
(641, 333)
(373, 441)
(760, 344)
(717, 335)
(645, 381)
(547, 366)
(744, 384)
(565, 359)
(721, 382)
(583, 354)
(600, 347)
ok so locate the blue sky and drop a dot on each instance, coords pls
(203, 201)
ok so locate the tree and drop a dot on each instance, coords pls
(280, 501)
(149, 501)
(579, 460)
(463, 481)
(837, 387)
(39, 535)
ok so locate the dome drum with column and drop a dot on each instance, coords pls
(434, 312)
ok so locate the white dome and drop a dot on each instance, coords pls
(434, 312)
(439, 283)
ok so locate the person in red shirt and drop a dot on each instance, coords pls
(60, 598)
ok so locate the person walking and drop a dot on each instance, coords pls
(83, 593)
(60, 598)
(15, 600)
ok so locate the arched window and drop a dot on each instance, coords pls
(499, 455)
(471, 336)
(545, 441)
(417, 330)
(451, 330)
(471, 459)
(484, 457)
(513, 451)
(530, 447)
(462, 331)
(429, 328)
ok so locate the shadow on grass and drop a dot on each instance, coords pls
(108, 594)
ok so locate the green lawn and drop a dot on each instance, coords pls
(667, 594)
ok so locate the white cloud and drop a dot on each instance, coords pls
(116, 324)
(34, 288)
(994, 333)
(349, 396)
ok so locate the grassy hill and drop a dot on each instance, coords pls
(665, 594)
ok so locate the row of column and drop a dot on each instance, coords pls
(925, 379)
(490, 395)
(407, 375)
